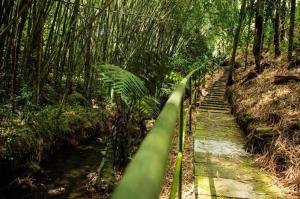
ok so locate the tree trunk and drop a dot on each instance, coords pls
(236, 38)
(276, 29)
(248, 32)
(282, 20)
(258, 33)
(291, 29)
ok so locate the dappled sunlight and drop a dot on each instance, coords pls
(265, 104)
(126, 99)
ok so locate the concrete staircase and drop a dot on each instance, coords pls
(223, 169)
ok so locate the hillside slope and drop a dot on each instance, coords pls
(270, 115)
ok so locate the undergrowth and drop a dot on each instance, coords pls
(269, 114)
(30, 137)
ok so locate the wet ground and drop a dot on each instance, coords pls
(63, 176)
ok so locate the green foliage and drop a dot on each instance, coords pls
(149, 106)
(76, 98)
(24, 98)
(179, 64)
(196, 46)
(151, 67)
(31, 140)
(49, 94)
(122, 83)
(129, 88)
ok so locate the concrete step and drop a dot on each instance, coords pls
(217, 93)
(217, 89)
(214, 111)
(211, 98)
(219, 104)
(216, 102)
(214, 108)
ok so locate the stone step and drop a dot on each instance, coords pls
(218, 104)
(216, 93)
(214, 96)
(213, 111)
(219, 86)
(211, 98)
(216, 100)
(223, 169)
(217, 89)
(220, 82)
(214, 108)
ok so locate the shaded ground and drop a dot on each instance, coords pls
(62, 176)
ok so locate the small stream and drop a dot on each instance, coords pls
(64, 174)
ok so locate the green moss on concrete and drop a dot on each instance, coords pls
(231, 175)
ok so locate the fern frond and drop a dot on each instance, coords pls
(149, 106)
(123, 83)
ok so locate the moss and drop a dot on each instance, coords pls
(220, 170)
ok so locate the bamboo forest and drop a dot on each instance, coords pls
(148, 99)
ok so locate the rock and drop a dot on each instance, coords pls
(57, 191)
(204, 93)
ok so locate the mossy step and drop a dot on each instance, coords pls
(223, 169)
(214, 108)
(214, 97)
(222, 84)
(220, 99)
(217, 90)
(229, 188)
(214, 111)
(215, 105)
(215, 93)
(218, 87)
(216, 101)
(218, 131)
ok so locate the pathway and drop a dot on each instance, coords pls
(223, 169)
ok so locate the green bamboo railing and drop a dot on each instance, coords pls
(144, 175)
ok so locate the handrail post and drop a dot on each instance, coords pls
(198, 86)
(191, 107)
(181, 123)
